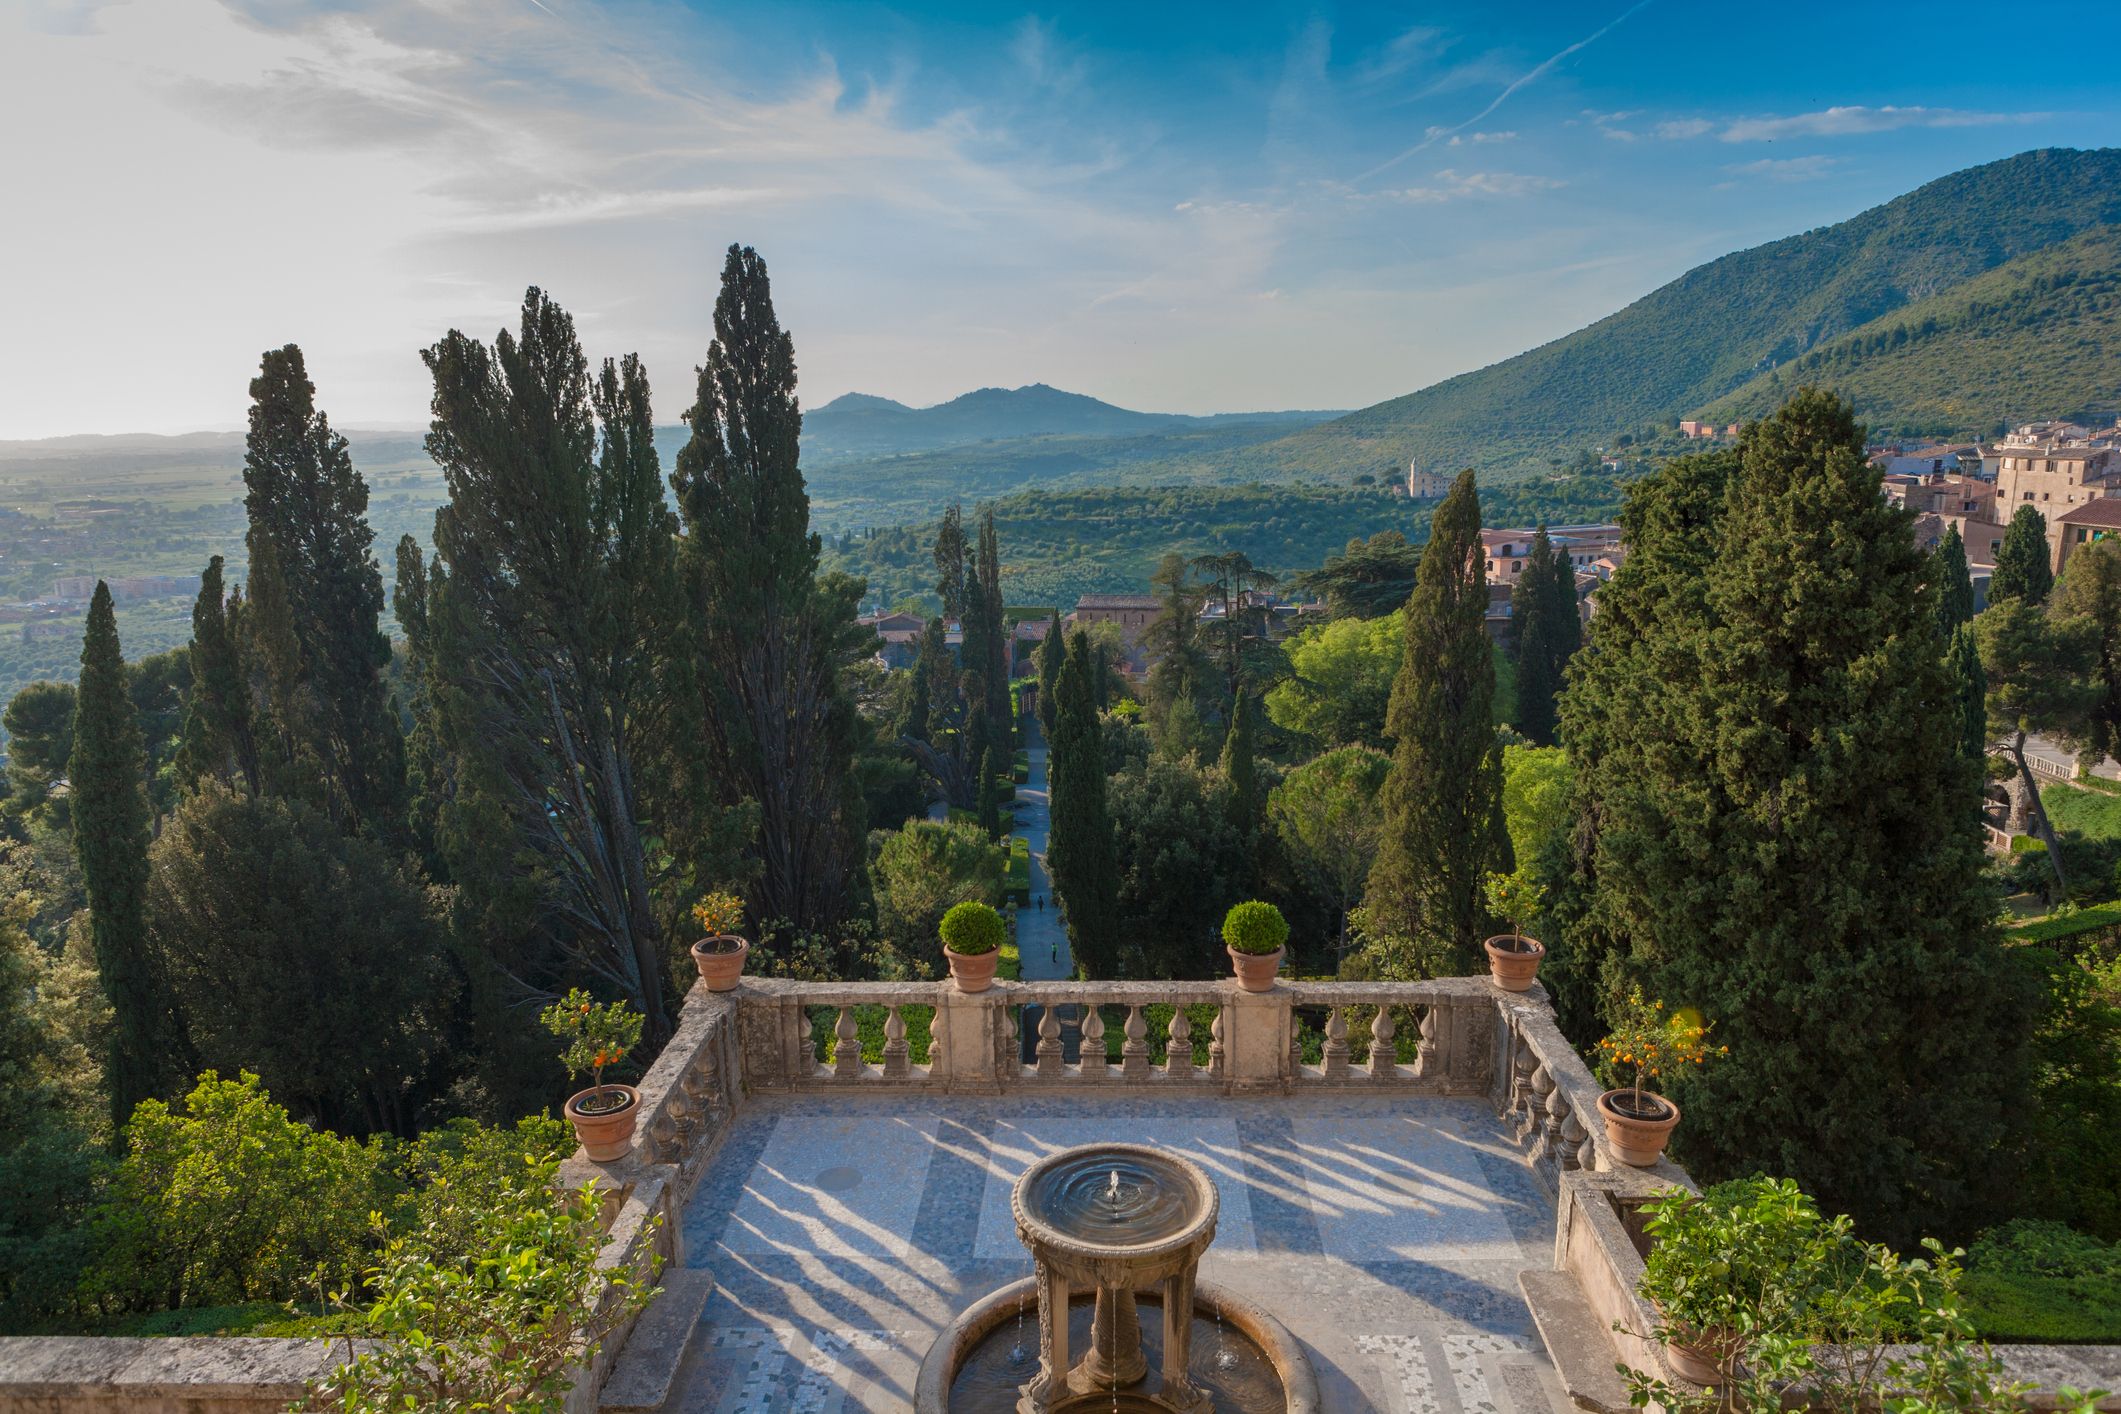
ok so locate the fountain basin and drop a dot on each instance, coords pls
(988, 1326)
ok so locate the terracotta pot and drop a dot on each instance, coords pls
(720, 965)
(1255, 970)
(607, 1135)
(1513, 961)
(1706, 1357)
(1637, 1141)
(974, 971)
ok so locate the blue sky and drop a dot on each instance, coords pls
(1183, 207)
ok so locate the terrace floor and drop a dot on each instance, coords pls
(1387, 1234)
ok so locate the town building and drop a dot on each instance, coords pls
(1131, 613)
(1505, 551)
(2095, 520)
(1425, 485)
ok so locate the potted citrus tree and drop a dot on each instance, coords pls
(1646, 1045)
(972, 934)
(1513, 958)
(720, 955)
(1256, 935)
(603, 1116)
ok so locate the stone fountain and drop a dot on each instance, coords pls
(1117, 1227)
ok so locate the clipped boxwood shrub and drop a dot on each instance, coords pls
(970, 928)
(1255, 927)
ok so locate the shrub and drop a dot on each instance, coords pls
(718, 913)
(2041, 1281)
(1726, 1259)
(1255, 927)
(970, 928)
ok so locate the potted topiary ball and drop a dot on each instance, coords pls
(1255, 933)
(720, 955)
(603, 1116)
(1513, 958)
(972, 936)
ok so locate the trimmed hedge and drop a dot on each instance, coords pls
(2041, 1282)
(2098, 783)
(1016, 885)
(2069, 925)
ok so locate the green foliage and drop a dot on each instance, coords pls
(595, 1036)
(2023, 568)
(223, 1197)
(2043, 1283)
(1650, 1047)
(1536, 786)
(1443, 797)
(39, 722)
(1079, 848)
(1955, 585)
(2033, 332)
(2088, 596)
(1732, 1258)
(2075, 1129)
(1016, 885)
(488, 1302)
(1548, 633)
(1515, 898)
(918, 872)
(1255, 927)
(1340, 680)
(972, 928)
(1327, 817)
(1368, 579)
(106, 768)
(2074, 922)
(1764, 841)
(1182, 859)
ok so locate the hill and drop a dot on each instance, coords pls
(861, 425)
(1705, 334)
(2039, 336)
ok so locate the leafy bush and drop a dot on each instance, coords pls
(970, 928)
(1725, 1260)
(1255, 927)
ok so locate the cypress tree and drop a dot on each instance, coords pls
(2023, 569)
(1970, 684)
(110, 839)
(1955, 585)
(218, 740)
(1442, 799)
(950, 563)
(780, 728)
(1786, 856)
(307, 502)
(1080, 850)
(1543, 608)
(993, 665)
(990, 791)
(1052, 649)
(1240, 769)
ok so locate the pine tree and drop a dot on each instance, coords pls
(111, 838)
(1442, 800)
(1955, 585)
(308, 504)
(2023, 568)
(218, 739)
(1080, 849)
(1785, 856)
(774, 639)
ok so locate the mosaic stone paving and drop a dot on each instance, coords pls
(843, 1232)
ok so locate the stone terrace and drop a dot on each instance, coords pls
(1388, 1235)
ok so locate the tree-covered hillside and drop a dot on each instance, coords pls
(1712, 329)
(2038, 337)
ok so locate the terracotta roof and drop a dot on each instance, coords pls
(2106, 511)
(1117, 601)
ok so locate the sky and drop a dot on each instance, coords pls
(1175, 207)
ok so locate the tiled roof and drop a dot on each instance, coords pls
(1117, 601)
(2106, 511)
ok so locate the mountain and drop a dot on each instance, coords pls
(2039, 336)
(1709, 332)
(860, 425)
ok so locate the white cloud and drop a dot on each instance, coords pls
(1855, 119)
(1450, 185)
(1679, 128)
(1784, 169)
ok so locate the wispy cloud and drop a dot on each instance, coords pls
(1530, 76)
(1449, 185)
(1857, 118)
(1682, 128)
(1452, 139)
(1784, 169)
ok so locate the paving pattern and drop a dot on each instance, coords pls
(1387, 1234)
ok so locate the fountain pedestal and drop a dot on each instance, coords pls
(1114, 1219)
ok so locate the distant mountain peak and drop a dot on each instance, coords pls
(862, 402)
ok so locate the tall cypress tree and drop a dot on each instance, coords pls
(308, 504)
(1052, 651)
(110, 839)
(990, 790)
(2023, 567)
(1787, 857)
(1970, 683)
(1543, 609)
(994, 633)
(218, 739)
(1240, 769)
(1955, 585)
(1080, 849)
(949, 558)
(780, 729)
(1442, 800)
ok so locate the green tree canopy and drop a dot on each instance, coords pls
(1955, 585)
(1368, 579)
(1340, 680)
(919, 871)
(1079, 848)
(1327, 816)
(2024, 568)
(1548, 633)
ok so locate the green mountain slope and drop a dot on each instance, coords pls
(2038, 337)
(1716, 327)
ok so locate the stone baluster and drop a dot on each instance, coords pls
(1178, 1053)
(897, 1054)
(1050, 1065)
(1095, 1061)
(1425, 1053)
(1215, 1045)
(937, 1066)
(1555, 1144)
(1296, 1046)
(1336, 1049)
(1536, 1112)
(1575, 1140)
(1134, 1055)
(1527, 1097)
(847, 1055)
(1384, 1059)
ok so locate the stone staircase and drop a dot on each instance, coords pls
(647, 1367)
